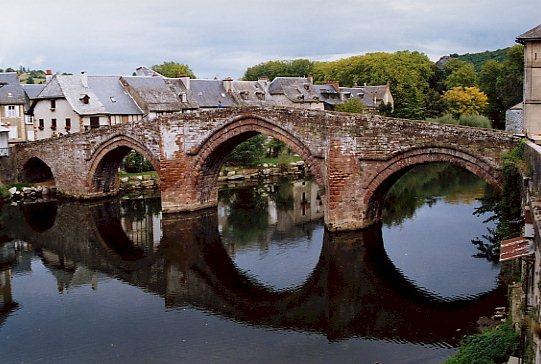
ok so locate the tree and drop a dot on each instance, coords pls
(465, 101)
(30, 80)
(173, 70)
(248, 153)
(272, 69)
(459, 74)
(352, 106)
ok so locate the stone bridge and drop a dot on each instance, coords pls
(354, 158)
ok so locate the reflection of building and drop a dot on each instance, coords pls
(145, 231)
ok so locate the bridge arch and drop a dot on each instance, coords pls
(215, 149)
(385, 177)
(35, 170)
(107, 159)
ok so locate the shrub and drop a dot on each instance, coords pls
(478, 121)
(248, 153)
(445, 119)
(136, 163)
(491, 346)
(352, 106)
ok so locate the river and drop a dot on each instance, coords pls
(257, 280)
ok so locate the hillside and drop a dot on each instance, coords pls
(478, 59)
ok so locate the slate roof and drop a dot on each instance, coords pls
(33, 90)
(367, 94)
(210, 93)
(11, 91)
(52, 90)
(296, 89)
(250, 93)
(531, 34)
(328, 94)
(112, 95)
(159, 94)
(145, 71)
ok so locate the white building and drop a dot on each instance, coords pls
(75, 103)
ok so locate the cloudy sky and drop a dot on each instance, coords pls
(221, 38)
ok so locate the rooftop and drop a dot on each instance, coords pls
(11, 91)
(532, 34)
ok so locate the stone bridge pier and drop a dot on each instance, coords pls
(355, 159)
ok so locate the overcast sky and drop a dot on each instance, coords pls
(222, 38)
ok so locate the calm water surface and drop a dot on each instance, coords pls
(258, 280)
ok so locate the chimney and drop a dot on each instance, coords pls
(48, 75)
(263, 79)
(335, 85)
(186, 81)
(227, 82)
(84, 79)
(310, 79)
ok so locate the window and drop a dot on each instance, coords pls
(41, 124)
(53, 104)
(94, 122)
(12, 111)
(53, 124)
(85, 99)
(68, 124)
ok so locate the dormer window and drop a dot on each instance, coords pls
(307, 86)
(244, 95)
(260, 95)
(183, 97)
(113, 100)
(85, 99)
(360, 94)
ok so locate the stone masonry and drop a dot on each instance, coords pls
(354, 158)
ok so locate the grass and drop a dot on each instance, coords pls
(149, 173)
(491, 346)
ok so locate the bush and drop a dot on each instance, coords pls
(478, 121)
(352, 106)
(491, 346)
(136, 163)
(248, 153)
(445, 119)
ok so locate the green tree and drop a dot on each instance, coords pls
(248, 153)
(459, 74)
(173, 70)
(136, 163)
(352, 106)
(30, 80)
(273, 69)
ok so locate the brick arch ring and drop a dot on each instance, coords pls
(21, 167)
(249, 124)
(402, 161)
(111, 144)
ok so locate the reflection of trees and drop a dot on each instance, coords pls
(422, 185)
(282, 194)
(248, 213)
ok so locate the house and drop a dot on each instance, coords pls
(4, 141)
(157, 95)
(249, 93)
(295, 92)
(532, 82)
(12, 103)
(31, 93)
(211, 94)
(331, 94)
(514, 119)
(74, 103)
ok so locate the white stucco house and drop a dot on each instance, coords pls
(75, 103)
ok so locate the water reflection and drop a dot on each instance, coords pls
(261, 261)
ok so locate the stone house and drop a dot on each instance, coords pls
(295, 92)
(532, 82)
(12, 107)
(331, 94)
(74, 103)
(514, 119)
(211, 94)
(157, 95)
(31, 93)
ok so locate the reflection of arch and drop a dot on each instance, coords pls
(212, 153)
(399, 164)
(40, 216)
(36, 170)
(107, 158)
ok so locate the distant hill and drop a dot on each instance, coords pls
(478, 59)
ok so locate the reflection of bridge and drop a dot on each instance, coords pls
(356, 158)
(353, 291)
